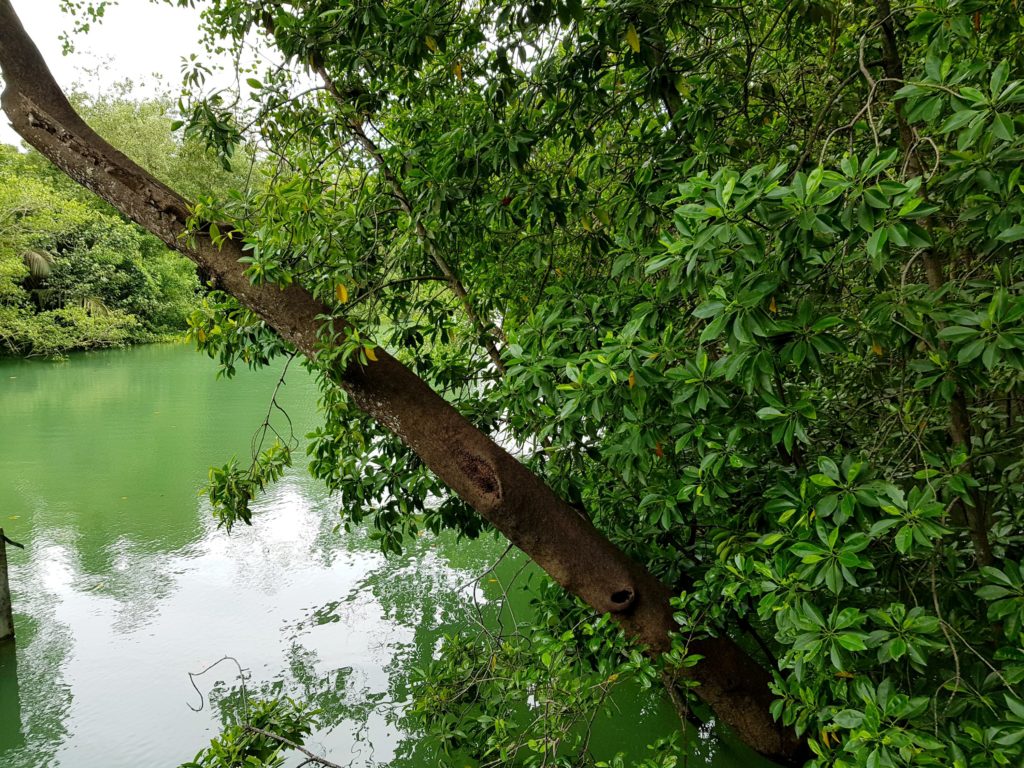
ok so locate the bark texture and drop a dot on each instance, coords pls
(518, 503)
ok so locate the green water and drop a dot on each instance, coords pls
(125, 584)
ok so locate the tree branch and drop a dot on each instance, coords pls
(313, 757)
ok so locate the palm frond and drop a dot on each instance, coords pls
(94, 306)
(39, 263)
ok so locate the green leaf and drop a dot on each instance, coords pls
(904, 539)
(970, 351)
(958, 120)
(958, 333)
(998, 78)
(708, 309)
(876, 243)
(993, 592)
(1016, 705)
(826, 465)
(848, 718)
(896, 648)
(852, 641)
(1003, 128)
(808, 553)
(1012, 234)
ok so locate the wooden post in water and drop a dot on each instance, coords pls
(6, 614)
(12, 737)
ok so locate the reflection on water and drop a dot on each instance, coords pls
(126, 585)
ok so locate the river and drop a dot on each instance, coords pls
(126, 585)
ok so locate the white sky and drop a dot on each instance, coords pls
(135, 40)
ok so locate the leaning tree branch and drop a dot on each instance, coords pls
(501, 489)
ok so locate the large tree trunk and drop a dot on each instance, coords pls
(518, 503)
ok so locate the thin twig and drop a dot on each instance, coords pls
(202, 699)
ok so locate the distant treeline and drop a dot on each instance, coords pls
(74, 274)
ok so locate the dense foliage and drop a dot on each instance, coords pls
(753, 273)
(73, 273)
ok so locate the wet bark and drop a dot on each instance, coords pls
(518, 503)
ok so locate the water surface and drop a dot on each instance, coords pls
(126, 585)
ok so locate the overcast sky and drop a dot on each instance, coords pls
(135, 40)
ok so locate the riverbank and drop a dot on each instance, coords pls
(57, 333)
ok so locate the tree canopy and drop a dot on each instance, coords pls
(740, 283)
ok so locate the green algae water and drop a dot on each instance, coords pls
(126, 585)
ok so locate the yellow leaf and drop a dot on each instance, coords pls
(876, 348)
(370, 354)
(431, 44)
(633, 39)
(201, 335)
(457, 69)
(632, 379)
(773, 307)
(341, 292)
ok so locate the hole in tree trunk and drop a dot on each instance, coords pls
(622, 599)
